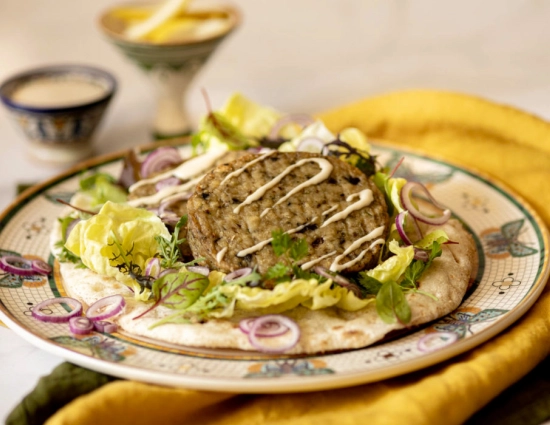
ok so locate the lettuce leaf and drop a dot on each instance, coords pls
(100, 188)
(287, 295)
(93, 240)
(395, 266)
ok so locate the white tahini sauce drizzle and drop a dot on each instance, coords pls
(221, 254)
(248, 164)
(376, 233)
(164, 193)
(261, 244)
(187, 170)
(311, 263)
(365, 199)
(335, 207)
(326, 169)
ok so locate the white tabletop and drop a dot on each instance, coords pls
(297, 56)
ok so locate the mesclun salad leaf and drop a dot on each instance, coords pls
(391, 303)
(418, 267)
(238, 125)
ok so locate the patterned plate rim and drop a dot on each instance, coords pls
(289, 384)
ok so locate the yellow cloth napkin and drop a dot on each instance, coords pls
(507, 144)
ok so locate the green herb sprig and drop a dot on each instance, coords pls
(170, 254)
(289, 251)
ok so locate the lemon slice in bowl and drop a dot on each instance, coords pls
(164, 13)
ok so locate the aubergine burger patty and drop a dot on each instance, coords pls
(235, 208)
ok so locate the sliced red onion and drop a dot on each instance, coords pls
(80, 325)
(302, 120)
(205, 271)
(311, 144)
(106, 307)
(421, 254)
(41, 267)
(153, 210)
(170, 181)
(164, 205)
(406, 200)
(262, 321)
(400, 226)
(160, 159)
(105, 326)
(238, 274)
(152, 268)
(339, 280)
(321, 271)
(16, 265)
(57, 318)
(130, 169)
(269, 329)
(170, 218)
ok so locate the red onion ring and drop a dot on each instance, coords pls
(152, 268)
(237, 274)
(406, 192)
(115, 304)
(16, 265)
(269, 329)
(104, 326)
(311, 144)
(205, 271)
(159, 159)
(80, 325)
(170, 181)
(41, 267)
(57, 318)
(262, 321)
(400, 225)
(301, 119)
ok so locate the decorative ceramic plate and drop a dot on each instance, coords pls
(513, 268)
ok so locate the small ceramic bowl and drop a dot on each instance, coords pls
(171, 65)
(58, 108)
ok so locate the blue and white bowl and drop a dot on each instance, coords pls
(59, 133)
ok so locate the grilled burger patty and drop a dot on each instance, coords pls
(342, 215)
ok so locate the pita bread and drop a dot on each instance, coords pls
(323, 330)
